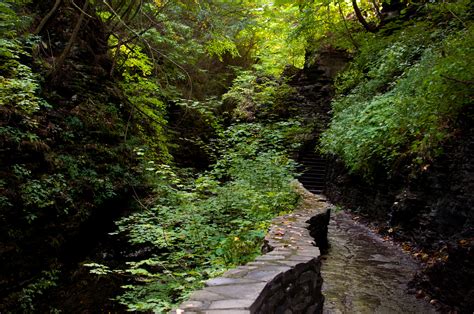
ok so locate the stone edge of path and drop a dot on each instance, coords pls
(286, 279)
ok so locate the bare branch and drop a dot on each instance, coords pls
(454, 15)
(457, 80)
(151, 49)
(45, 20)
(80, 10)
(72, 39)
(377, 9)
(346, 27)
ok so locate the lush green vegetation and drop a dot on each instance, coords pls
(103, 102)
(205, 225)
(400, 98)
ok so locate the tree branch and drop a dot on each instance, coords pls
(45, 20)
(72, 39)
(346, 27)
(151, 49)
(377, 9)
(457, 80)
(361, 18)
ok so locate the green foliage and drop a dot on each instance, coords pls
(39, 194)
(255, 95)
(250, 139)
(400, 103)
(209, 224)
(18, 84)
(144, 94)
(194, 42)
(185, 52)
(275, 47)
(220, 46)
(39, 286)
(326, 23)
(10, 21)
(207, 110)
(196, 126)
(63, 161)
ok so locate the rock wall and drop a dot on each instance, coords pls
(285, 280)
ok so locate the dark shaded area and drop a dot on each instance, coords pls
(191, 134)
(318, 229)
(311, 103)
(73, 154)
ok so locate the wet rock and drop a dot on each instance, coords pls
(364, 274)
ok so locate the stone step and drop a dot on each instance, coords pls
(314, 166)
(313, 160)
(312, 185)
(316, 191)
(320, 178)
(314, 180)
(314, 172)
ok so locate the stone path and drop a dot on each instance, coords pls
(364, 274)
(284, 280)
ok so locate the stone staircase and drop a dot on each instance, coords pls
(311, 104)
(313, 170)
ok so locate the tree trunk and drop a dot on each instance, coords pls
(361, 18)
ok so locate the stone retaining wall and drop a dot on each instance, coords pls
(285, 280)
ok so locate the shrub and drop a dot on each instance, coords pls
(407, 103)
(198, 229)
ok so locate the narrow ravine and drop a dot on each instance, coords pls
(364, 274)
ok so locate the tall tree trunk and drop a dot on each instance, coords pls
(361, 18)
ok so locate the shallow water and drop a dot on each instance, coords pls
(364, 274)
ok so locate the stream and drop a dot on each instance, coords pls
(364, 274)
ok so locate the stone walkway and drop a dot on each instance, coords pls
(364, 274)
(284, 280)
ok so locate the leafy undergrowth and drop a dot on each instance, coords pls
(255, 95)
(199, 228)
(63, 162)
(401, 97)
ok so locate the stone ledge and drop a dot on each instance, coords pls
(285, 280)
